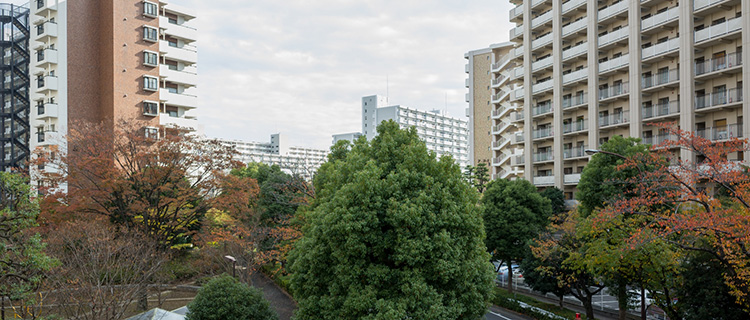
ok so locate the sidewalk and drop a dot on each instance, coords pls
(280, 302)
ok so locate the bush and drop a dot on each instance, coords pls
(226, 298)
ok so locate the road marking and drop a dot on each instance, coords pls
(500, 315)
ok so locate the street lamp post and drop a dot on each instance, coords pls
(234, 264)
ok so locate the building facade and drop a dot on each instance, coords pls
(441, 133)
(107, 61)
(301, 161)
(589, 70)
(14, 92)
(492, 116)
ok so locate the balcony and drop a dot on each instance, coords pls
(541, 87)
(701, 7)
(575, 127)
(544, 180)
(541, 41)
(516, 116)
(517, 160)
(45, 111)
(724, 98)
(660, 110)
(659, 139)
(187, 53)
(613, 37)
(573, 178)
(516, 13)
(719, 31)
(660, 49)
(711, 67)
(612, 11)
(180, 31)
(721, 133)
(517, 94)
(44, 7)
(575, 153)
(614, 64)
(575, 76)
(543, 133)
(517, 73)
(517, 138)
(543, 157)
(659, 80)
(46, 31)
(46, 57)
(49, 138)
(518, 52)
(658, 20)
(184, 76)
(541, 20)
(180, 122)
(542, 109)
(46, 84)
(574, 52)
(516, 32)
(574, 27)
(614, 120)
(575, 102)
(572, 5)
(178, 99)
(541, 64)
(618, 90)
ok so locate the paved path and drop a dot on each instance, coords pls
(497, 313)
(279, 300)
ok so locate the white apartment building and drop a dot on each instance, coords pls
(589, 70)
(443, 134)
(135, 60)
(301, 161)
(351, 136)
(493, 120)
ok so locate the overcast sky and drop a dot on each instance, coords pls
(300, 67)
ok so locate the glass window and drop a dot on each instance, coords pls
(150, 9)
(150, 83)
(150, 58)
(150, 108)
(150, 34)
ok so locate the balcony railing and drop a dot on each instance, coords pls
(546, 62)
(718, 30)
(575, 101)
(700, 4)
(542, 86)
(542, 109)
(543, 133)
(577, 152)
(517, 94)
(660, 78)
(720, 63)
(614, 36)
(542, 19)
(612, 10)
(576, 126)
(660, 18)
(613, 91)
(496, 66)
(614, 119)
(544, 156)
(541, 41)
(544, 180)
(517, 31)
(572, 178)
(575, 76)
(518, 138)
(722, 132)
(718, 98)
(574, 27)
(614, 64)
(572, 4)
(661, 48)
(661, 109)
(575, 51)
(517, 11)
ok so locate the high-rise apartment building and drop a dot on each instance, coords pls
(441, 133)
(110, 60)
(589, 70)
(302, 161)
(492, 116)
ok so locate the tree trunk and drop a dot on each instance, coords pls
(143, 298)
(561, 302)
(643, 303)
(589, 307)
(622, 301)
(2, 310)
(510, 277)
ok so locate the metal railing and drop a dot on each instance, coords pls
(614, 119)
(718, 30)
(658, 139)
(661, 109)
(718, 98)
(542, 109)
(577, 152)
(720, 63)
(660, 78)
(576, 126)
(613, 91)
(543, 156)
(721, 133)
(575, 101)
(543, 133)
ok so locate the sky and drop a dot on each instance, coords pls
(301, 67)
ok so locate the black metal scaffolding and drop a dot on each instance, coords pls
(15, 104)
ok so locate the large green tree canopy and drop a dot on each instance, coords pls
(394, 234)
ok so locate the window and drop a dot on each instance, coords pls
(150, 58)
(150, 34)
(150, 83)
(150, 108)
(151, 133)
(150, 9)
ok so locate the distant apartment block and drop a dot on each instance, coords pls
(94, 60)
(346, 136)
(493, 120)
(293, 160)
(589, 70)
(441, 133)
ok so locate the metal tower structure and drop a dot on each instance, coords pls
(15, 104)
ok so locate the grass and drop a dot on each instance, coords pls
(508, 301)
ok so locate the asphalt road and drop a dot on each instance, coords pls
(496, 313)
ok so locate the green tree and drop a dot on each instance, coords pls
(704, 295)
(23, 263)
(556, 198)
(535, 277)
(481, 176)
(394, 234)
(226, 298)
(514, 214)
(600, 182)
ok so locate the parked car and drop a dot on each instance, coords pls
(502, 272)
